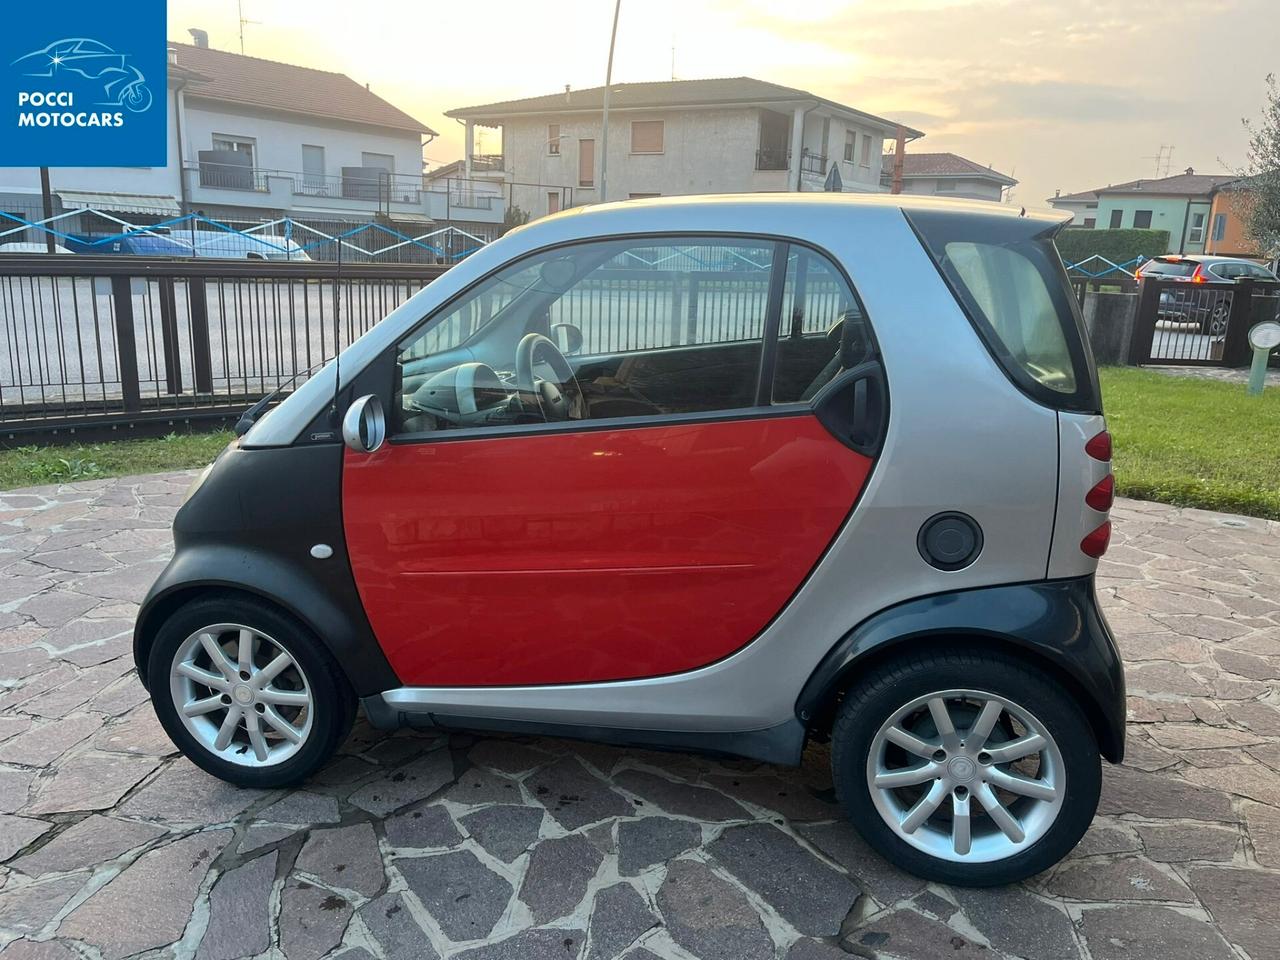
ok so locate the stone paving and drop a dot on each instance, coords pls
(426, 846)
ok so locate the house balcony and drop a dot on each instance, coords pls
(359, 193)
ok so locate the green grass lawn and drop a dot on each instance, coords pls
(1179, 440)
(32, 466)
(1194, 442)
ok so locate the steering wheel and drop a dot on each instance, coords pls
(554, 403)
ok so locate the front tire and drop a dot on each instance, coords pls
(247, 693)
(973, 769)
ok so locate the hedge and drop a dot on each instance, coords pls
(1118, 246)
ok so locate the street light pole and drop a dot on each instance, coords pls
(608, 82)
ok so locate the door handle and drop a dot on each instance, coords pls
(856, 408)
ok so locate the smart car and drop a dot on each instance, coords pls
(727, 474)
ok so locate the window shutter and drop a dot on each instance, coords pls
(646, 136)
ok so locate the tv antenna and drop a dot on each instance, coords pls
(1163, 159)
(243, 22)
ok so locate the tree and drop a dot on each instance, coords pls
(1261, 209)
(514, 217)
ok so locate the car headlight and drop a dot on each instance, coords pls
(201, 477)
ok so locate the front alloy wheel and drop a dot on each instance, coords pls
(247, 692)
(242, 695)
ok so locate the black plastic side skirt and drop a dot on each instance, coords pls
(781, 744)
(1056, 623)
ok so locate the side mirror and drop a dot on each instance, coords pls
(364, 426)
(566, 337)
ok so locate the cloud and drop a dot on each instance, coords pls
(1059, 101)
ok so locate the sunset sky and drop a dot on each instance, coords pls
(1066, 95)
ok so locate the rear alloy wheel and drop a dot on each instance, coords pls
(946, 772)
(247, 693)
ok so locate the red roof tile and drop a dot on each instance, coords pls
(235, 78)
(944, 165)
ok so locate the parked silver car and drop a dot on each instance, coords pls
(870, 513)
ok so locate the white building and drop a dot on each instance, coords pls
(1082, 206)
(253, 140)
(677, 137)
(947, 175)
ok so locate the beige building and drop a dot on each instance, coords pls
(947, 175)
(734, 135)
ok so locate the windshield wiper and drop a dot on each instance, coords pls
(250, 416)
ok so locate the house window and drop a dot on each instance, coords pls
(1196, 233)
(850, 140)
(1090, 222)
(646, 136)
(312, 168)
(553, 201)
(1219, 226)
(945, 186)
(380, 161)
(586, 163)
(1117, 216)
(553, 139)
(865, 159)
(244, 145)
(642, 196)
(1142, 219)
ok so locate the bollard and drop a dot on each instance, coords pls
(1264, 338)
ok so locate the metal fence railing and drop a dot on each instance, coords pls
(1206, 324)
(88, 342)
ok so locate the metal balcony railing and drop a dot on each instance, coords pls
(232, 176)
(813, 163)
(487, 162)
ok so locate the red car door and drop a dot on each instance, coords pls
(590, 553)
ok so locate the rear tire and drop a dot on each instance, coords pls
(939, 823)
(285, 725)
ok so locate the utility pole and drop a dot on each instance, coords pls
(47, 199)
(608, 82)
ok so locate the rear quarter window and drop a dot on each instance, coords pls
(1008, 277)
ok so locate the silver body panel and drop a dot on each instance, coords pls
(960, 437)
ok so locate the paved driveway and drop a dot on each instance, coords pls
(414, 845)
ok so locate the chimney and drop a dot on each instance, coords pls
(1057, 193)
(567, 97)
(199, 37)
(173, 56)
(1190, 171)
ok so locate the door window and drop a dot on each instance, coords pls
(823, 330)
(617, 328)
